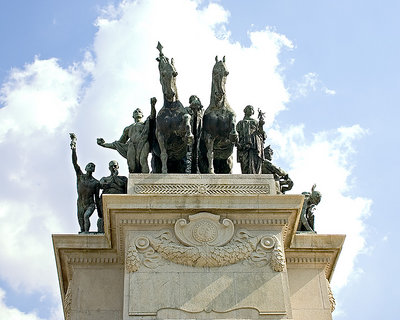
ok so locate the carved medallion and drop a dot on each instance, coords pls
(204, 228)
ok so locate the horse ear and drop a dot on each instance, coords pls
(172, 61)
(158, 59)
(216, 58)
(223, 59)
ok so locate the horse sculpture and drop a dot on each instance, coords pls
(219, 130)
(173, 129)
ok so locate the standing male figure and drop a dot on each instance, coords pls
(250, 148)
(134, 143)
(113, 184)
(88, 189)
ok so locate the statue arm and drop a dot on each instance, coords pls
(105, 144)
(121, 181)
(103, 183)
(111, 145)
(75, 162)
(74, 155)
(125, 135)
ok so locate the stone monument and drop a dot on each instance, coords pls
(198, 246)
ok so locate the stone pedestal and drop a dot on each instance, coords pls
(198, 247)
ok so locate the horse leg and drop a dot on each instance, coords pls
(163, 152)
(189, 143)
(210, 153)
(233, 135)
(229, 163)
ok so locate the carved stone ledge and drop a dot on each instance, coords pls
(204, 242)
(201, 189)
(148, 221)
(68, 302)
(279, 222)
(201, 184)
(95, 260)
(332, 300)
(313, 260)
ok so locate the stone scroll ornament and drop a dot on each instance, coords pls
(204, 241)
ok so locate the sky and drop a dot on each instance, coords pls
(324, 72)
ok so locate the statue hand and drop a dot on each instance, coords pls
(233, 137)
(153, 101)
(73, 140)
(100, 141)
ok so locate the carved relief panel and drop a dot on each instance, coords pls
(205, 265)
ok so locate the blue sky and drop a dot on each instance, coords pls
(325, 73)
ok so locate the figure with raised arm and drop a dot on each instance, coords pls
(87, 187)
(311, 200)
(134, 144)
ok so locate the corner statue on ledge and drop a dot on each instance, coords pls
(250, 148)
(311, 200)
(87, 187)
(282, 180)
(113, 184)
(134, 144)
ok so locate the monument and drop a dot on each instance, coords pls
(199, 245)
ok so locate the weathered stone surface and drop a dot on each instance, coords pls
(210, 270)
(173, 256)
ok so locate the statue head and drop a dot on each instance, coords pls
(137, 114)
(90, 167)
(113, 166)
(268, 152)
(168, 74)
(219, 74)
(248, 111)
(194, 100)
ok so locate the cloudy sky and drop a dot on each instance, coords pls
(325, 73)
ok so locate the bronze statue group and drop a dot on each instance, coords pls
(182, 140)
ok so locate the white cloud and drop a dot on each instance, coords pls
(27, 225)
(329, 91)
(309, 83)
(11, 313)
(326, 161)
(40, 96)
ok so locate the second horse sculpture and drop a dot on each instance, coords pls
(173, 130)
(219, 126)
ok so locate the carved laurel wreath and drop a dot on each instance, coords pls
(205, 242)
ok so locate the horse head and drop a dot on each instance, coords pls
(167, 76)
(219, 74)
